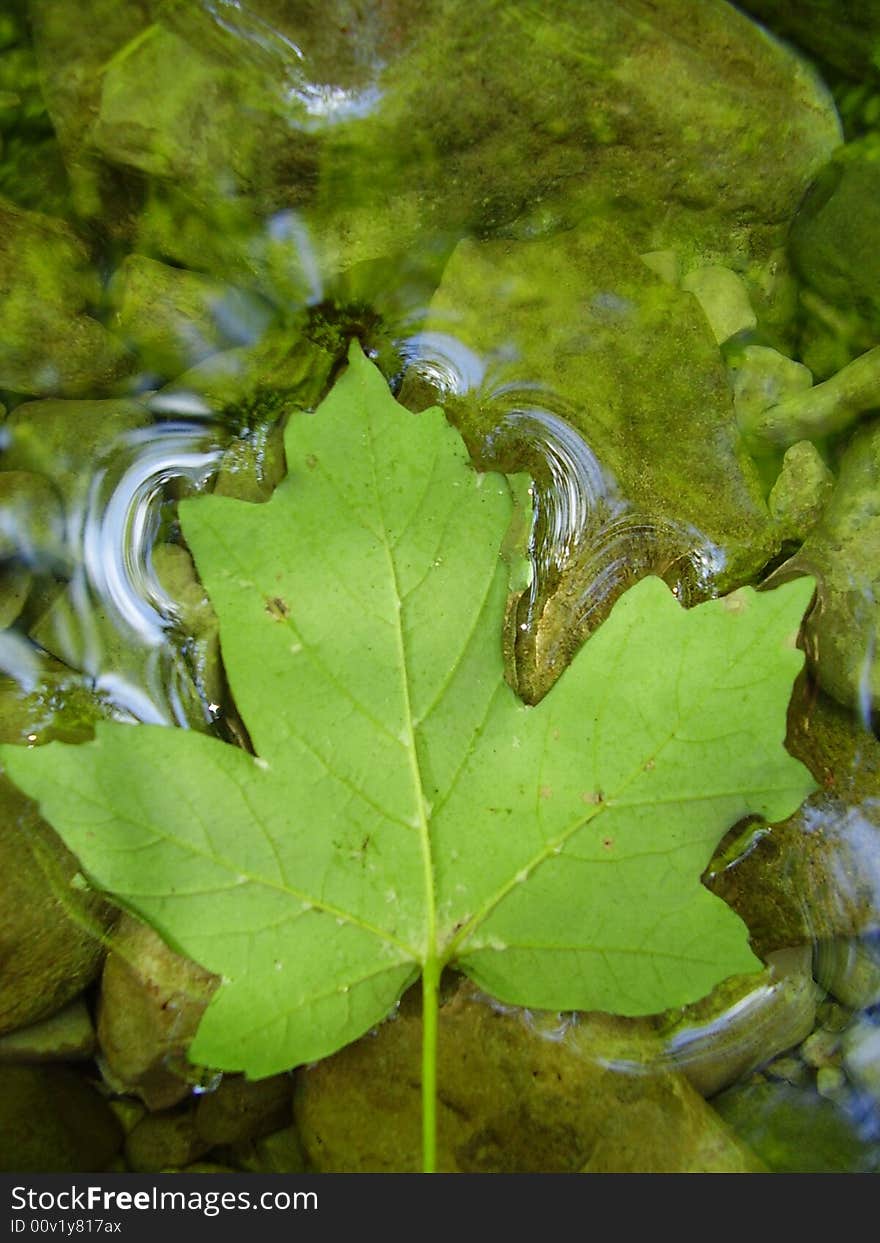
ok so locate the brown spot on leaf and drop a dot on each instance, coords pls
(546, 791)
(277, 608)
(592, 796)
(311, 461)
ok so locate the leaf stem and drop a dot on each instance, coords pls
(430, 1005)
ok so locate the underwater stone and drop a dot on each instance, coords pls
(31, 520)
(761, 378)
(802, 490)
(746, 1021)
(52, 1122)
(724, 299)
(48, 341)
(240, 1109)
(816, 875)
(67, 1035)
(150, 1004)
(172, 319)
(861, 1056)
(833, 239)
(843, 553)
(68, 440)
(15, 585)
(578, 327)
(796, 1131)
(516, 1096)
(849, 967)
(845, 33)
(614, 110)
(825, 410)
(278, 1153)
(51, 924)
(164, 1141)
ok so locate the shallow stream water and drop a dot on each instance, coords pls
(631, 249)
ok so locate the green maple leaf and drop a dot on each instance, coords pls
(404, 811)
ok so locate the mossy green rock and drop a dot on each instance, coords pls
(511, 1100)
(68, 440)
(579, 325)
(150, 1005)
(240, 1109)
(813, 876)
(387, 123)
(845, 33)
(51, 924)
(618, 108)
(172, 319)
(843, 553)
(67, 1035)
(48, 341)
(164, 1141)
(795, 1131)
(833, 238)
(53, 1122)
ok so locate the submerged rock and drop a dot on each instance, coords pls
(844, 33)
(51, 924)
(614, 107)
(164, 1141)
(512, 1098)
(833, 249)
(53, 1122)
(843, 553)
(150, 1005)
(796, 1131)
(815, 876)
(66, 1035)
(240, 1109)
(568, 358)
(801, 491)
(49, 343)
(172, 319)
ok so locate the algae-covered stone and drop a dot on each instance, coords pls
(51, 924)
(15, 585)
(615, 108)
(71, 57)
(746, 1021)
(845, 33)
(172, 319)
(164, 1141)
(67, 440)
(579, 328)
(843, 553)
(67, 1035)
(511, 1099)
(48, 341)
(861, 1056)
(761, 378)
(813, 413)
(724, 299)
(849, 967)
(815, 876)
(796, 1131)
(31, 519)
(384, 123)
(240, 1109)
(833, 240)
(802, 490)
(53, 1122)
(150, 1005)
(278, 1153)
